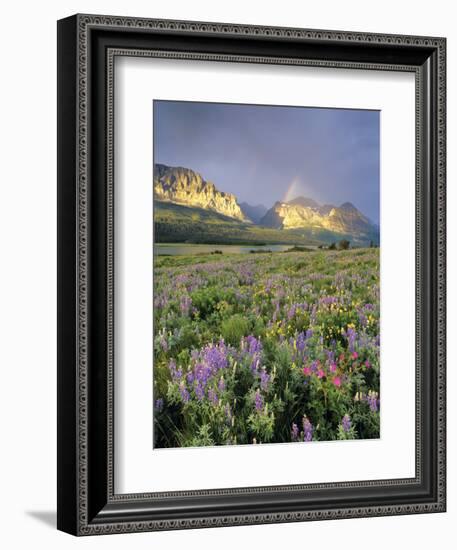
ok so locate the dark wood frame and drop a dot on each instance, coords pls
(87, 46)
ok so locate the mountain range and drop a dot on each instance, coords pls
(183, 196)
(184, 186)
(305, 212)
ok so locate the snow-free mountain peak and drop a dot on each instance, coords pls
(184, 186)
(306, 212)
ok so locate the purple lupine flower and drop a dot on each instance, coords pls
(300, 342)
(212, 396)
(216, 356)
(291, 312)
(264, 379)
(185, 304)
(176, 374)
(221, 384)
(159, 404)
(362, 319)
(307, 429)
(314, 366)
(184, 393)
(245, 275)
(372, 400)
(181, 279)
(199, 391)
(254, 345)
(351, 336)
(201, 373)
(163, 342)
(253, 348)
(258, 400)
(346, 423)
(255, 364)
(161, 301)
(294, 432)
(328, 300)
(172, 367)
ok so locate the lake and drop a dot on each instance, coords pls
(180, 249)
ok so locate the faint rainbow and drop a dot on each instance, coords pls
(293, 190)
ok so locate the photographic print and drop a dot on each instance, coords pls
(266, 274)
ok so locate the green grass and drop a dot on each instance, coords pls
(181, 224)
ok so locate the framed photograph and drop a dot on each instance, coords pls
(251, 274)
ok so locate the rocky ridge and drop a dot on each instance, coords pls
(304, 212)
(186, 187)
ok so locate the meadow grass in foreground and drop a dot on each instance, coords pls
(266, 348)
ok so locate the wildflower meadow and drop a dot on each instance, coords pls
(266, 348)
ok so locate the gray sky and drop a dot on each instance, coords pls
(265, 153)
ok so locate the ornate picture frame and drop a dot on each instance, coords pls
(87, 500)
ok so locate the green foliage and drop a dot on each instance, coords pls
(234, 328)
(262, 425)
(202, 438)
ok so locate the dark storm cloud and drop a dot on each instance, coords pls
(263, 154)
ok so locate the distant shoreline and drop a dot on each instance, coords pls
(193, 249)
